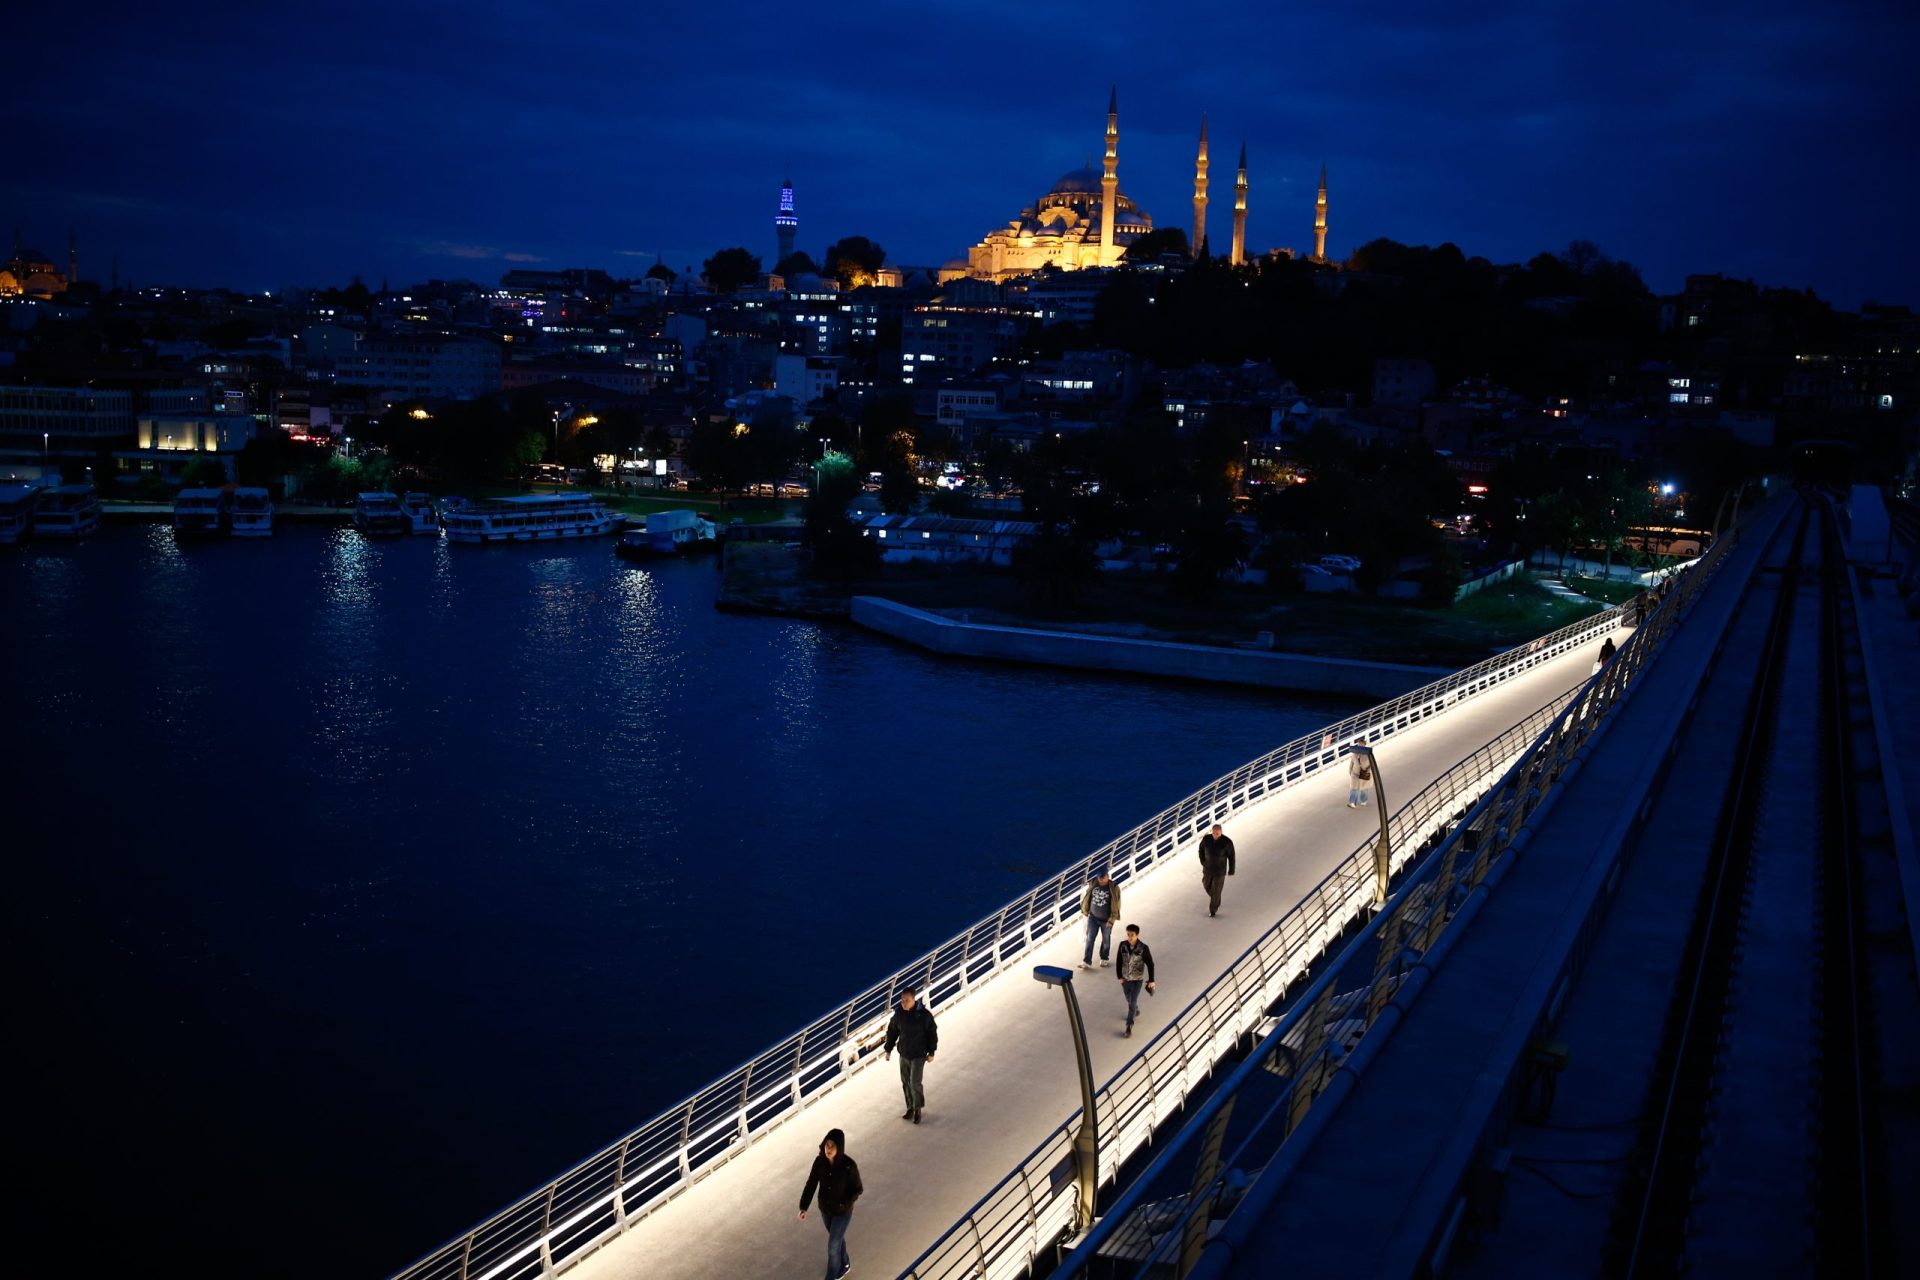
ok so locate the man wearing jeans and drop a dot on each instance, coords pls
(1135, 969)
(913, 1029)
(1100, 904)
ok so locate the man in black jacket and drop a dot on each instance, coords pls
(838, 1180)
(912, 1028)
(1134, 965)
(1216, 864)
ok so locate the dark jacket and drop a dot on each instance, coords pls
(1133, 961)
(838, 1180)
(914, 1031)
(1216, 854)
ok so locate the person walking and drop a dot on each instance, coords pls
(1216, 864)
(913, 1029)
(1134, 967)
(837, 1178)
(1100, 904)
(1359, 773)
(1606, 655)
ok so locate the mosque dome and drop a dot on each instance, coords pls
(1081, 181)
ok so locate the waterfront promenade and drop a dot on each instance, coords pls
(1004, 1076)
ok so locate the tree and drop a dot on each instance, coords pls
(836, 540)
(854, 261)
(796, 264)
(732, 269)
(1157, 243)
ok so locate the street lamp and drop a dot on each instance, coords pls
(1086, 1143)
(1383, 847)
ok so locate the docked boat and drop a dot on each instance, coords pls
(421, 517)
(668, 533)
(199, 513)
(529, 517)
(68, 511)
(379, 513)
(250, 514)
(16, 512)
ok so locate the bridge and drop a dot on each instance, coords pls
(711, 1186)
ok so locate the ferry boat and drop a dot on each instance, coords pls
(378, 513)
(250, 514)
(421, 517)
(668, 533)
(68, 511)
(16, 512)
(199, 513)
(530, 517)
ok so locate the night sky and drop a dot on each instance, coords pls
(274, 145)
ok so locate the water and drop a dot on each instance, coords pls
(362, 886)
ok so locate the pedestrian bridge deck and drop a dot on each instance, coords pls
(1004, 1076)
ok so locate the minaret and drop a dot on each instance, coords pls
(785, 223)
(1240, 210)
(1320, 219)
(1110, 179)
(1200, 192)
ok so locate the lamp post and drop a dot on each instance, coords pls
(1383, 847)
(1086, 1143)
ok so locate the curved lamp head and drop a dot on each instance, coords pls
(1053, 975)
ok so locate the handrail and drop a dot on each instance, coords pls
(606, 1193)
(1319, 1039)
(1019, 1216)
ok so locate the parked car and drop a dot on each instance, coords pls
(1340, 564)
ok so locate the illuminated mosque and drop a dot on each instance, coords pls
(1085, 220)
(34, 274)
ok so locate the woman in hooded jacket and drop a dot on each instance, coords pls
(837, 1178)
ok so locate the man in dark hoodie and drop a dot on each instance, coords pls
(912, 1028)
(838, 1179)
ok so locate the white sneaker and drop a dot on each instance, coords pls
(1103, 964)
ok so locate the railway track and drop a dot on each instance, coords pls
(1758, 1150)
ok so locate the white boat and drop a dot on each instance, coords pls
(251, 514)
(530, 517)
(421, 517)
(199, 513)
(376, 513)
(69, 511)
(16, 512)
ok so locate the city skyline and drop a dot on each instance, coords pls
(386, 143)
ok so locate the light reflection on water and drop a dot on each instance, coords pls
(445, 842)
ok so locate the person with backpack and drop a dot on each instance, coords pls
(1359, 773)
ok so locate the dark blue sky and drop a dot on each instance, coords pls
(281, 144)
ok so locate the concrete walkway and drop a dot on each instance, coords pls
(1004, 1075)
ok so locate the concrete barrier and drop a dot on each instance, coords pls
(1297, 672)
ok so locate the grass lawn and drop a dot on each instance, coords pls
(1612, 590)
(746, 510)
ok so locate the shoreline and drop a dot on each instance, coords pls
(1027, 646)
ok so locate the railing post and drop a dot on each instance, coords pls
(620, 1184)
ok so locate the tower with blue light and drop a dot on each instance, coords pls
(785, 223)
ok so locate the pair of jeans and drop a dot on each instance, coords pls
(1105, 929)
(837, 1259)
(1357, 795)
(1133, 999)
(910, 1073)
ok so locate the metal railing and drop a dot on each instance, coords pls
(1315, 1046)
(1032, 1207)
(602, 1196)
